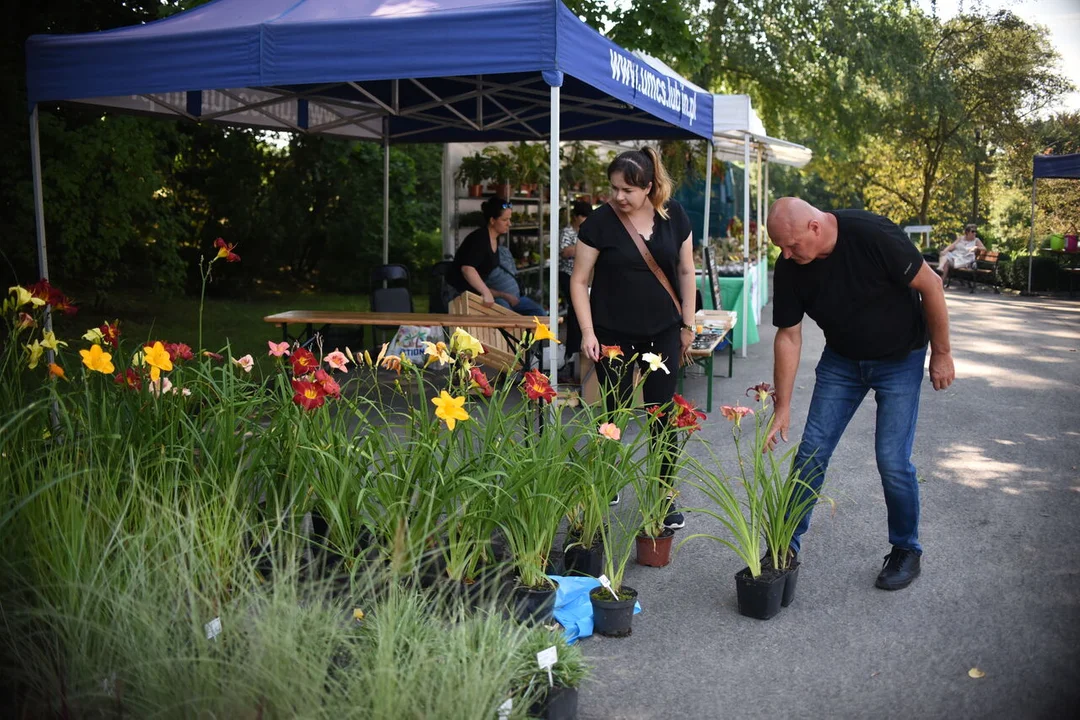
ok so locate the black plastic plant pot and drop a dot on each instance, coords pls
(611, 617)
(560, 703)
(792, 577)
(534, 605)
(760, 597)
(584, 561)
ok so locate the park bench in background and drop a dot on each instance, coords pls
(983, 270)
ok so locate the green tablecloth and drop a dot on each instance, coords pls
(731, 292)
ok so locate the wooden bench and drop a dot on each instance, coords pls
(984, 270)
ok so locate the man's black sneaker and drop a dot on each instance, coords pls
(615, 500)
(900, 568)
(674, 519)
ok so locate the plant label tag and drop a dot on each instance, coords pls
(607, 584)
(546, 659)
(506, 708)
(213, 628)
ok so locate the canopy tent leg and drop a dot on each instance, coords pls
(745, 240)
(1031, 239)
(764, 232)
(386, 192)
(39, 211)
(760, 231)
(553, 235)
(708, 197)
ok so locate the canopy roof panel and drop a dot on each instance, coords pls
(734, 118)
(432, 70)
(1057, 166)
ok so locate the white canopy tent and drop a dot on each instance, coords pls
(736, 129)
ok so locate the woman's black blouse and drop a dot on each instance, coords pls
(626, 297)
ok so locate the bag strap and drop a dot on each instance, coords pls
(647, 256)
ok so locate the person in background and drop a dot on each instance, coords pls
(960, 253)
(867, 286)
(629, 305)
(567, 249)
(477, 257)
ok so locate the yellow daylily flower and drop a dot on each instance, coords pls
(450, 409)
(543, 332)
(94, 335)
(462, 341)
(36, 351)
(97, 360)
(157, 357)
(22, 296)
(49, 341)
(436, 352)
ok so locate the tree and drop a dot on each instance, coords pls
(985, 73)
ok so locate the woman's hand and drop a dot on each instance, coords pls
(686, 338)
(590, 347)
(487, 298)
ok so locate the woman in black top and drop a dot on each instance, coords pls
(628, 306)
(477, 255)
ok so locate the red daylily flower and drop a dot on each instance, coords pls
(686, 417)
(178, 351)
(761, 391)
(213, 355)
(303, 362)
(308, 395)
(655, 411)
(110, 333)
(58, 300)
(480, 381)
(538, 387)
(225, 250)
(328, 384)
(130, 378)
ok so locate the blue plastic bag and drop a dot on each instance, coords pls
(573, 609)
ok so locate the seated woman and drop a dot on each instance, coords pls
(960, 253)
(477, 258)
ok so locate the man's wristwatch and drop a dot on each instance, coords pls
(687, 327)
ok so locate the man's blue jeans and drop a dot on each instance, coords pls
(840, 388)
(526, 306)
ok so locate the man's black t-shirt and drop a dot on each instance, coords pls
(475, 251)
(626, 297)
(859, 295)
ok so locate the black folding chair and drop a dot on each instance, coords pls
(390, 292)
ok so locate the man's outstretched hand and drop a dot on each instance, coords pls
(780, 424)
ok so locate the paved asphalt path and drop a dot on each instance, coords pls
(997, 453)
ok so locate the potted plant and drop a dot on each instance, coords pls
(554, 698)
(655, 493)
(472, 172)
(531, 165)
(500, 169)
(775, 502)
(786, 497)
(536, 493)
(613, 606)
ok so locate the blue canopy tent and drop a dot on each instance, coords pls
(382, 70)
(1048, 166)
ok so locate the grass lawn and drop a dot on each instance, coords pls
(225, 321)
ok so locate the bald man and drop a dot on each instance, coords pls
(866, 285)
